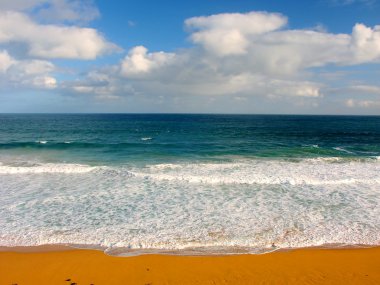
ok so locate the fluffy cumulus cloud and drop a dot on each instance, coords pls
(26, 73)
(229, 48)
(5, 61)
(55, 10)
(229, 34)
(365, 43)
(258, 38)
(51, 41)
(34, 33)
(139, 61)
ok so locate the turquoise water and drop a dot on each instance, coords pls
(119, 139)
(208, 183)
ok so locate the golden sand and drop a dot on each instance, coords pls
(306, 266)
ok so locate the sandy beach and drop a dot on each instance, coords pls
(41, 265)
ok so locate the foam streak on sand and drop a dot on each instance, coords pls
(311, 266)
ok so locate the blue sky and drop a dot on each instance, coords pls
(293, 57)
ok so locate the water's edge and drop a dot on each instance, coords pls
(228, 251)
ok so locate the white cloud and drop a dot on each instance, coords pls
(69, 10)
(55, 10)
(255, 38)
(103, 84)
(19, 4)
(365, 43)
(267, 64)
(295, 88)
(287, 52)
(350, 103)
(366, 89)
(369, 104)
(265, 61)
(32, 67)
(6, 61)
(139, 61)
(228, 34)
(46, 82)
(52, 41)
(22, 73)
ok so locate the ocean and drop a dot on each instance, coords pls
(198, 184)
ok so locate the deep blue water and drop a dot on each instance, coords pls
(117, 138)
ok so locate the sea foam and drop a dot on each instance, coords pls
(304, 172)
(46, 168)
(248, 204)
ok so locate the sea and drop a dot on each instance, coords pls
(189, 184)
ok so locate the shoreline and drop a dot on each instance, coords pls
(52, 265)
(197, 251)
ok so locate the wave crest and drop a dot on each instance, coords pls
(47, 168)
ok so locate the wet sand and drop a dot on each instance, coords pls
(51, 265)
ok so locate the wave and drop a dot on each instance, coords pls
(47, 168)
(242, 204)
(63, 145)
(320, 171)
(343, 150)
(312, 171)
(137, 146)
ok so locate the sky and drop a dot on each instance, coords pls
(200, 56)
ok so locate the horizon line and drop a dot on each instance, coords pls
(174, 113)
